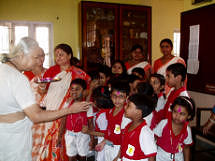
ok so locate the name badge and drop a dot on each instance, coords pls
(117, 129)
(180, 149)
(130, 150)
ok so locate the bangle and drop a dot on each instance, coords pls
(211, 120)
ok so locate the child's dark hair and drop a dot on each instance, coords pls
(167, 41)
(101, 95)
(75, 61)
(132, 78)
(160, 77)
(140, 71)
(178, 69)
(142, 102)
(145, 88)
(120, 85)
(80, 82)
(186, 102)
(137, 46)
(94, 75)
(105, 69)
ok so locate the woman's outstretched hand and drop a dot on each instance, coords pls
(80, 107)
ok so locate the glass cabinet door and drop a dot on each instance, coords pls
(135, 28)
(99, 32)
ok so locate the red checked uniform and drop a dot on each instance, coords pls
(169, 145)
(138, 144)
(76, 141)
(113, 134)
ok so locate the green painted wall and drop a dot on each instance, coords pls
(165, 17)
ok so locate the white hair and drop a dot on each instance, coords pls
(25, 46)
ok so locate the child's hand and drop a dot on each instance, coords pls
(207, 127)
(92, 143)
(94, 84)
(84, 129)
(100, 146)
(117, 159)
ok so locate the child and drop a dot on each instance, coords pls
(137, 139)
(145, 88)
(133, 81)
(103, 102)
(175, 77)
(174, 134)
(158, 83)
(140, 72)
(104, 75)
(77, 143)
(118, 69)
(119, 93)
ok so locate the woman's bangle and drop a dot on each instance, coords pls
(211, 120)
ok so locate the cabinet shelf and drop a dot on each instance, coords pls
(113, 28)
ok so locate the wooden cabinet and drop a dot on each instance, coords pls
(109, 31)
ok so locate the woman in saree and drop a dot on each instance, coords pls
(138, 60)
(18, 106)
(161, 64)
(56, 94)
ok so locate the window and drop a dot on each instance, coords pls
(4, 39)
(12, 31)
(176, 42)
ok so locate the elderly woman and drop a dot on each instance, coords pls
(36, 74)
(56, 95)
(18, 107)
(33, 76)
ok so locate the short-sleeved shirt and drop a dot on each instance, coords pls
(166, 111)
(101, 121)
(161, 102)
(16, 93)
(168, 141)
(75, 121)
(113, 132)
(139, 143)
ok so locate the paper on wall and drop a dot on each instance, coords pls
(192, 66)
(193, 52)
